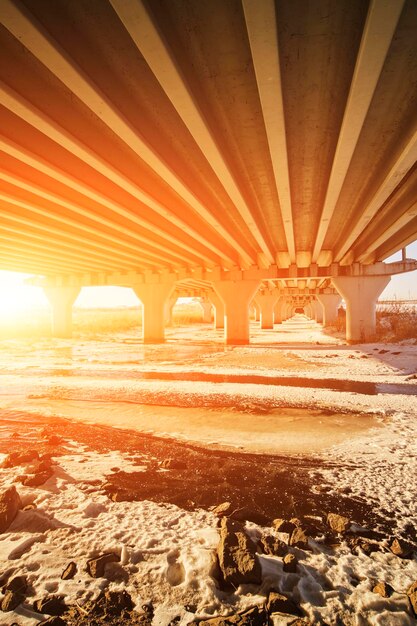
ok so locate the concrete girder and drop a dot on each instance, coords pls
(146, 36)
(177, 255)
(263, 38)
(32, 35)
(402, 239)
(403, 163)
(51, 129)
(119, 243)
(376, 39)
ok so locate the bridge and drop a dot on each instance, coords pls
(255, 150)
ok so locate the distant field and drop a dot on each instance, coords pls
(94, 321)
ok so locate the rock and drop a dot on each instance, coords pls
(117, 602)
(20, 458)
(70, 571)
(290, 563)
(412, 596)
(296, 521)
(299, 539)
(222, 509)
(338, 523)
(37, 479)
(237, 555)
(272, 546)
(17, 584)
(400, 548)
(277, 603)
(10, 503)
(50, 605)
(53, 440)
(95, 567)
(252, 617)
(283, 526)
(173, 464)
(383, 589)
(11, 600)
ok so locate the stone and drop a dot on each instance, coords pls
(252, 617)
(283, 526)
(400, 548)
(237, 556)
(383, 589)
(117, 602)
(338, 523)
(19, 458)
(70, 571)
(53, 440)
(290, 563)
(37, 479)
(299, 539)
(412, 596)
(95, 567)
(17, 584)
(222, 509)
(10, 503)
(173, 464)
(272, 546)
(50, 605)
(278, 603)
(11, 600)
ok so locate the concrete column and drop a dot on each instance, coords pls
(266, 301)
(218, 310)
(61, 300)
(169, 305)
(278, 310)
(318, 312)
(206, 306)
(360, 294)
(257, 310)
(330, 303)
(236, 297)
(153, 298)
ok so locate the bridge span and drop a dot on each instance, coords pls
(254, 150)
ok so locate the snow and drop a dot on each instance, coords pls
(166, 552)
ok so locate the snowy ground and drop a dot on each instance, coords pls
(367, 451)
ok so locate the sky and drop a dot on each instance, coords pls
(18, 297)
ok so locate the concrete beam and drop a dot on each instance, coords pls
(379, 29)
(261, 22)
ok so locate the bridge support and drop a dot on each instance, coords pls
(330, 303)
(153, 297)
(236, 297)
(360, 294)
(218, 310)
(266, 302)
(278, 310)
(206, 306)
(61, 300)
(318, 311)
(169, 306)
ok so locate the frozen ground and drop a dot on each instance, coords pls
(359, 442)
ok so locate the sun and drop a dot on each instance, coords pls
(18, 300)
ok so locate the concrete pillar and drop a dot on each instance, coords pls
(61, 300)
(257, 310)
(169, 305)
(360, 294)
(236, 297)
(278, 310)
(206, 306)
(218, 310)
(330, 303)
(266, 301)
(318, 312)
(153, 298)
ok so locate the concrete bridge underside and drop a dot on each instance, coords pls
(260, 149)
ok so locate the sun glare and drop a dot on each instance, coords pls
(18, 299)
